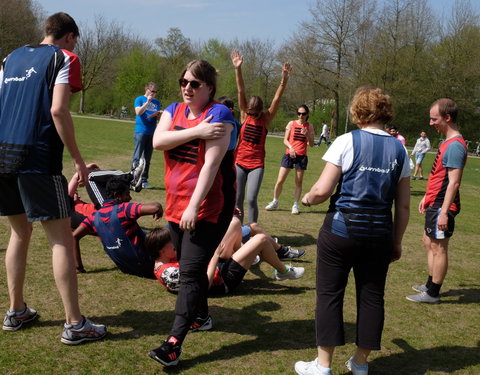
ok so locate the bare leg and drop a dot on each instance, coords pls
(282, 176)
(298, 184)
(439, 251)
(16, 259)
(420, 170)
(61, 240)
(258, 245)
(361, 355)
(325, 355)
(257, 229)
(416, 170)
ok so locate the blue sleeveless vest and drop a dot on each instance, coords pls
(129, 258)
(25, 101)
(361, 206)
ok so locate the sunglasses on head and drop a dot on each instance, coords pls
(193, 84)
(302, 113)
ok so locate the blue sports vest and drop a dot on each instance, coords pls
(25, 101)
(362, 204)
(129, 258)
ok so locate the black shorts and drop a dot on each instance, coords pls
(41, 197)
(299, 162)
(232, 274)
(431, 227)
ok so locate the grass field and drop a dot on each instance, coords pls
(267, 325)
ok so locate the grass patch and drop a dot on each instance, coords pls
(267, 325)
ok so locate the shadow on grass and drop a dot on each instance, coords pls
(269, 336)
(442, 359)
(100, 270)
(265, 287)
(464, 296)
(296, 239)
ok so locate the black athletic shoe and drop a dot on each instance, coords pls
(288, 253)
(200, 324)
(168, 354)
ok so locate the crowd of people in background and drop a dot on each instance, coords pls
(213, 162)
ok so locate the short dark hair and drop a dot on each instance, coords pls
(446, 107)
(60, 24)
(156, 240)
(116, 185)
(226, 101)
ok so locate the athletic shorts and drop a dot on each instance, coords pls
(431, 227)
(246, 233)
(41, 197)
(419, 158)
(232, 274)
(299, 162)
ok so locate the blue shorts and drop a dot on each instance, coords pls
(299, 162)
(419, 158)
(41, 197)
(246, 233)
(431, 226)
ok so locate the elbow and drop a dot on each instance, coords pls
(59, 111)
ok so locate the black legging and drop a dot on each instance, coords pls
(194, 251)
(370, 259)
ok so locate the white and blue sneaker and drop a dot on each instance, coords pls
(311, 368)
(356, 369)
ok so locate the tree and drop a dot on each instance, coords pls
(331, 33)
(20, 24)
(98, 49)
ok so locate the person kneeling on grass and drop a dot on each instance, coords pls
(116, 225)
(226, 269)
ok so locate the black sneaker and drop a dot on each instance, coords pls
(200, 324)
(288, 252)
(168, 354)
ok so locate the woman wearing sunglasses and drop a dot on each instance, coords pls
(200, 193)
(250, 157)
(298, 135)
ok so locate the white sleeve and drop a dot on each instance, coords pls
(340, 152)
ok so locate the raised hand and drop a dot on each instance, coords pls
(237, 59)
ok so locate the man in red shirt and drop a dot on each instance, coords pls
(441, 202)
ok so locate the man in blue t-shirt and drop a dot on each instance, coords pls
(148, 111)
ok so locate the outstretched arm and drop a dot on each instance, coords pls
(154, 209)
(272, 110)
(237, 61)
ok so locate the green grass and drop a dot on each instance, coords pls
(267, 325)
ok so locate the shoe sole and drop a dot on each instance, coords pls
(153, 356)
(22, 322)
(84, 339)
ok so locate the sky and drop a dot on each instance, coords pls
(200, 20)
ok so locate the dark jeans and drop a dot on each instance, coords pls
(194, 251)
(143, 146)
(370, 259)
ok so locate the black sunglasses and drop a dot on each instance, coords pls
(193, 84)
(302, 113)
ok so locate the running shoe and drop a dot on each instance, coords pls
(356, 369)
(137, 172)
(87, 332)
(292, 273)
(200, 324)
(13, 321)
(423, 297)
(420, 288)
(288, 253)
(168, 354)
(273, 205)
(295, 210)
(146, 185)
(311, 368)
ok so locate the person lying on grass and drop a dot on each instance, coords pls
(229, 264)
(116, 225)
